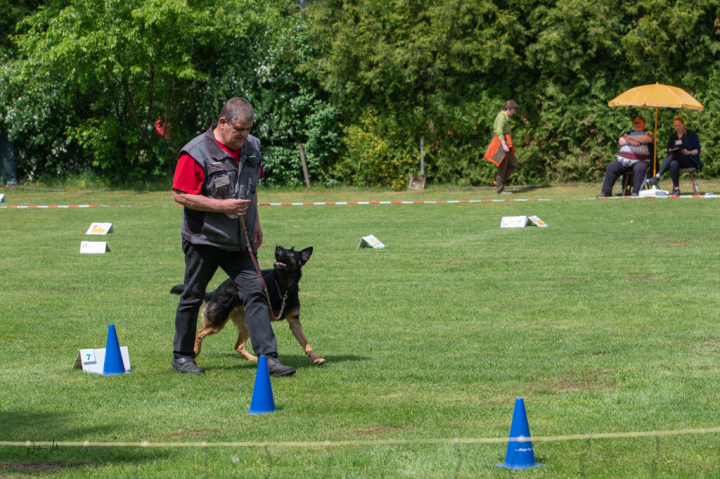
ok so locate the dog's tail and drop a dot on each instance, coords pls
(180, 289)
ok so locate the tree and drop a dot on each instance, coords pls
(94, 77)
(443, 69)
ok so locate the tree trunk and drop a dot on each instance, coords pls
(131, 106)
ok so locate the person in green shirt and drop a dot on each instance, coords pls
(501, 128)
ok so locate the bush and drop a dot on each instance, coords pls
(90, 79)
(444, 70)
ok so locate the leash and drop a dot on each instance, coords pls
(262, 280)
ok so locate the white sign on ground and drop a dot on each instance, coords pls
(100, 229)
(521, 222)
(93, 360)
(653, 194)
(538, 222)
(94, 247)
(2, 198)
(513, 222)
(370, 242)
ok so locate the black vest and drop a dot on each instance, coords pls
(224, 179)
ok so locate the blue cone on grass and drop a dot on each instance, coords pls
(113, 357)
(519, 455)
(262, 398)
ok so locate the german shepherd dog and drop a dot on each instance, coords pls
(224, 303)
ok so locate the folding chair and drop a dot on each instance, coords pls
(627, 182)
(691, 171)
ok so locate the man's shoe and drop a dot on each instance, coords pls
(676, 192)
(600, 196)
(278, 370)
(503, 192)
(186, 365)
(653, 181)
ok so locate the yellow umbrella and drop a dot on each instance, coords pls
(656, 96)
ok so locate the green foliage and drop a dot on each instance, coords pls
(93, 77)
(83, 83)
(13, 11)
(444, 69)
(110, 69)
(291, 111)
(373, 156)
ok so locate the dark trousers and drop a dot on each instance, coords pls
(615, 169)
(506, 168)
(7, 152)
(201, 263)
(673, 162)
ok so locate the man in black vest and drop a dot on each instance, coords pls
(216, 180)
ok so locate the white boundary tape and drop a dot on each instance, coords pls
(334, 203)
(652, 197)
(326, 203)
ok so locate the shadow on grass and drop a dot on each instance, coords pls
(297, 361)
(47, 426)
(301, 361)
(52, 427)
(31, 462)
(524, 189)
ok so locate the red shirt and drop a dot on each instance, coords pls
(189, 175)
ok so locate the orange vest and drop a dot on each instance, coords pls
(495, 153)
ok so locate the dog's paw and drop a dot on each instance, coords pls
(314, 358)
(247, 355)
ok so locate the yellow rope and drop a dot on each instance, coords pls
(381, 442)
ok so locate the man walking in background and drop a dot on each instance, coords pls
(216, 181)
(501, 151)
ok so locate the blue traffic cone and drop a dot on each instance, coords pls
(262, 399)
(519, 455)
(113, 357)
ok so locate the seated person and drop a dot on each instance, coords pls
(683, 152)
(635, 152)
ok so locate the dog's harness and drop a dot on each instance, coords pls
(257, 268)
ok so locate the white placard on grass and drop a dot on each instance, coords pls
(513, 222)
(93, 360)
(100, 229)
(2, 198)
(538, 222)
(521, 222)
(370, 242)
(653, 193)
(94, 247)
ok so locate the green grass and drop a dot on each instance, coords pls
(606, 321)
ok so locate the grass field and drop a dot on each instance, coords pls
(606, 321)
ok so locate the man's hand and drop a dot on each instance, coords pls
(685, 152)
(203, 203)
(505, 147)
(235, 207)
(257, 235)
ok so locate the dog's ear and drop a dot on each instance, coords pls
(305, 254)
